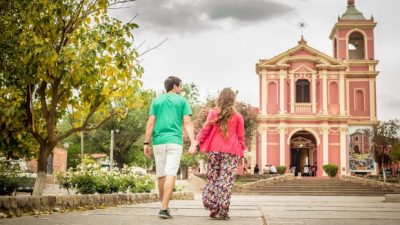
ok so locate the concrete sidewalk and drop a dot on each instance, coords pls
(245, 210)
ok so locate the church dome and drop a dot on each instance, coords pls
(352, 13)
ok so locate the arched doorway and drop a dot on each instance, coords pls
(303, 152)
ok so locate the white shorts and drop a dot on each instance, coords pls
(167, 157)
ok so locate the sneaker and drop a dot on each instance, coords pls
(165, 214)
(223, 218)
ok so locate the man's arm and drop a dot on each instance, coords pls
(149, 131)
(188, 125)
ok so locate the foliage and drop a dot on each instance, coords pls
(248, 112)
(395, 153)
(143, 184)
(127, 141)
(179, 188)
(385, 137)
(130, 132)
(281, 169)
(64, 58)
(189, 160)
(89, 179)
(15, 140)
(8, 179)
(330, 169)
(191, 93)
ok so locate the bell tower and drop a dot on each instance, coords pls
(353, 43)
(353, 35)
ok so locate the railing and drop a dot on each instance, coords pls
(302, 107)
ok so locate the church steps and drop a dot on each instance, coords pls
(316, 186)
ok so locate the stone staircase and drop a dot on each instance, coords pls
(316, 187)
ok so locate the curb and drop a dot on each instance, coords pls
(34, 205)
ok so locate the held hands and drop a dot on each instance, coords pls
(147, 151)
(192, 149)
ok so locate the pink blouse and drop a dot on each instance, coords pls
(212, 139)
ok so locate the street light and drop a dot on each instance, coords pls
(112, 148)
(81, 146)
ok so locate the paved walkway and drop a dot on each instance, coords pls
(245, 210)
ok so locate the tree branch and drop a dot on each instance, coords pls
(42, 96)
(30, 118)
(152, 48)
(82, 128)
(120, 2)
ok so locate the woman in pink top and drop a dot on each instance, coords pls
(222, 137)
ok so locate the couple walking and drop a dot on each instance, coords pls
(221, 137)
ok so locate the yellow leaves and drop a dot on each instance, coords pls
(87, 20)
(135, 104)
(103, 4)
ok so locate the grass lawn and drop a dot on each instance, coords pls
(240, 182)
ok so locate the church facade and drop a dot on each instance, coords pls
(317, 109)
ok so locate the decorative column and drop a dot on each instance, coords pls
(264, 92)
(325, 146)
(282, 128)
(264, 147)
(282, 76)
(292, 91)
(343, 146)
(314, 93)
(324, 92)
(341, 93)
(372, 99)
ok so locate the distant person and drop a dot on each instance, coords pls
(273, 169)
(168, 112)
(306, 170)
(222, 137)
(313, 170)
(256, 170)
(244, 170)
(267, 169)
(292, 169)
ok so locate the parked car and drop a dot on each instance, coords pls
(15, 176)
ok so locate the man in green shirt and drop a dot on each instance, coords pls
(168, 113)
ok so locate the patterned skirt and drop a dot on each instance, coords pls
(220, 179)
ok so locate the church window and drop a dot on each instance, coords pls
(302, 91)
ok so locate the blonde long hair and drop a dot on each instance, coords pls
(226, 104)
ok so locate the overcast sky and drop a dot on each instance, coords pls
(216, 43)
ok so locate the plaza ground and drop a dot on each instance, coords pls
(244, 210)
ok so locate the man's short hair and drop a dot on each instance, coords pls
(170, 82)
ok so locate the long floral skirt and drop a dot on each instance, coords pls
(220, 179)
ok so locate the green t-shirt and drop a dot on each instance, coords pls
(169, 110)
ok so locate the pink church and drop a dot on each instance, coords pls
(309, 100)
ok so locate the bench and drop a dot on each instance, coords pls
(25, 184)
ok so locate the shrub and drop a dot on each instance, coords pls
(89, 179)
(281, 169)
(86, 183)
(8, 179)
(330, 169)
(143, 184)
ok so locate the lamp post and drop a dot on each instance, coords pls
(82, 147)
(112, 148)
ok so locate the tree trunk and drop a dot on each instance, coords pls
(120, 160)
(41, 171)
(383, 170)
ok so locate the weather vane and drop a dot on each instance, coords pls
(302, 26)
